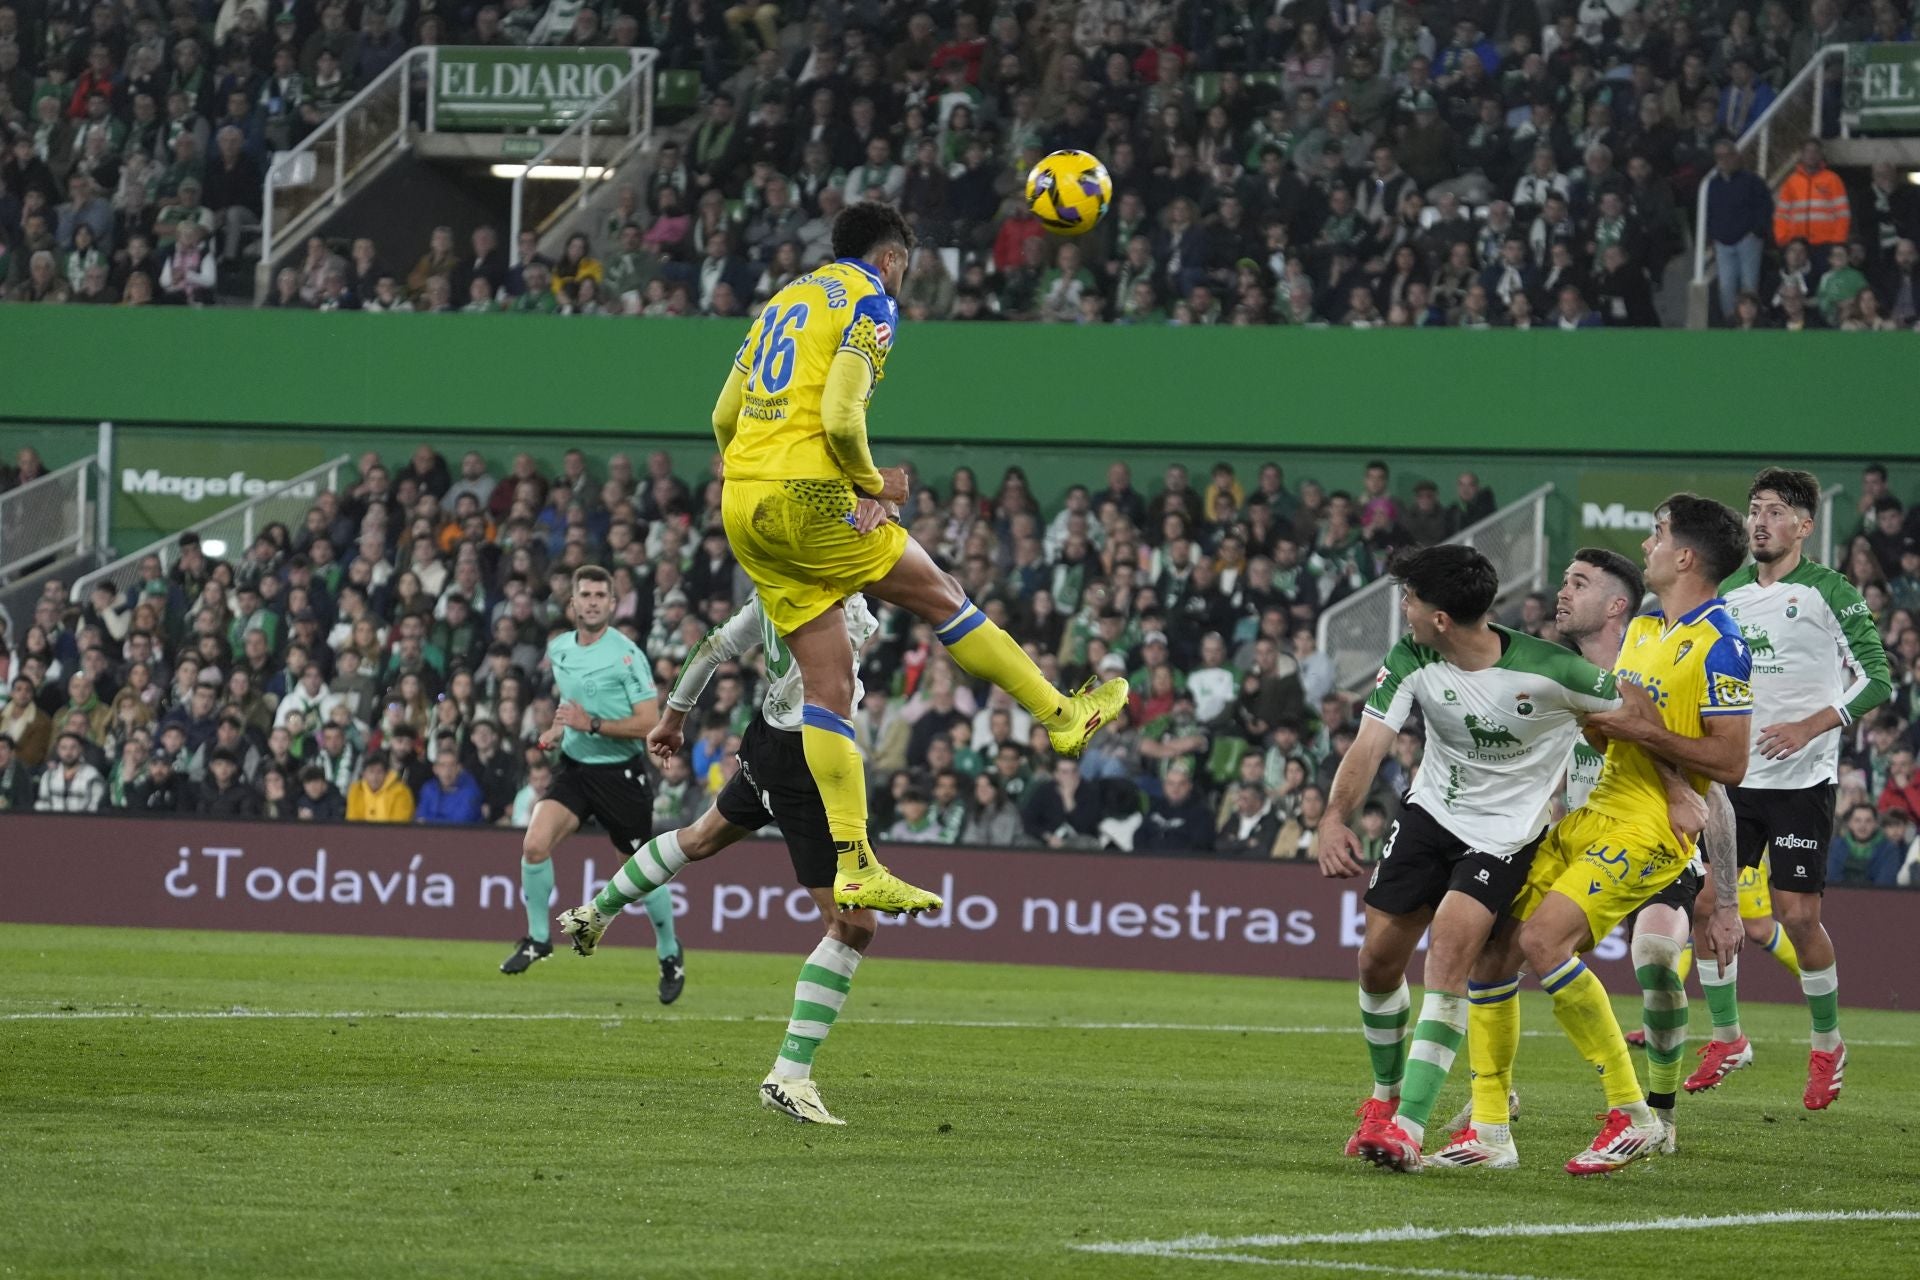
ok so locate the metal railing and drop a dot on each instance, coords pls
(638, 85)
(1358, 631)
(1823, 529)
(1795, 115)
(373, 122)
(49, 517)
(228, 533)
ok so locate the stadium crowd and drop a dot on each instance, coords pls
(1368, 165)
(385, 661)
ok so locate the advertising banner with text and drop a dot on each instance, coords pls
(515, 88)
(1080, 910)
(1882, 93)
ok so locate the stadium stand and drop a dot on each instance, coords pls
(1464, 165)
(413, 605)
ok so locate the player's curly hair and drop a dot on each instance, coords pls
(1798, 489)
(861, 228)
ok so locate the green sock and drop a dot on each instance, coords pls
(536, 889)
(659, 906)
(1383, 1018)
(1721, 983)
(1436, 1039)
(818, 997)
(1663, 1014)
(658, 861)
(1822, 989)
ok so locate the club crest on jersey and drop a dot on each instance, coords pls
(1793, 607)
(1523, 704)
(1686, 647)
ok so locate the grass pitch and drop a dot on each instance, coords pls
(398, 1108)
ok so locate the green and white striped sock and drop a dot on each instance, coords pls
(1822, 989)
(1436, 1039)
(818, 997)
(657, 862)
(1384, 1017)
(1663, 1015)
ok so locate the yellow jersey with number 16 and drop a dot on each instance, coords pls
(842, 306)
(1693, 669)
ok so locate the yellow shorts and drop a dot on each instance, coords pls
(793, 539)
(1755, 902)
(1608, 865)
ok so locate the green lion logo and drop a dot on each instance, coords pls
(1487, 733)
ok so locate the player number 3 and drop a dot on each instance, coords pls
(773, 359)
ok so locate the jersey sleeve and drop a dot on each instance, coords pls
(737, 636)
(1860, 645)
(746, 344)
(1392, 699)
(1583, 688)
(869, 334)
(1727, 684)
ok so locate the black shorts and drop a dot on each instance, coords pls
(617, 796)
(1422, 862)
(1680, 894)
(773, 784)
(1792, 828)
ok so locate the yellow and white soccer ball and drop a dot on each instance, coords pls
(1069, 191)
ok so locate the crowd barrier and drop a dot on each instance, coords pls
(1071, 909)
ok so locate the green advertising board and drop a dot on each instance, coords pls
(490, 89)
(162, 481)
(1882, 93)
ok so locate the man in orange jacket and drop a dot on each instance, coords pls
(1812, 202)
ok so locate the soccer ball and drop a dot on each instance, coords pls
(1069, 191)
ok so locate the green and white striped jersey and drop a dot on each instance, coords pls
(749, 629)
(1497, 739)
(1814, 646)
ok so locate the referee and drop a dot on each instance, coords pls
(607, 707)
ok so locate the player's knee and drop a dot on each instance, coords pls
(534, 849)
(1378, 972)
(1759, 932)
(1657, 950)
(849, 931)
(1541, 948)
(1797, 912)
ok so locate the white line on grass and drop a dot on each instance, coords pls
(1409, 1234)
(456, 1015)
(1321, 1264)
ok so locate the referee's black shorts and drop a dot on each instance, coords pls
(773, 784)
(617, 796)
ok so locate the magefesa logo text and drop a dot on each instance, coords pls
(237, 484)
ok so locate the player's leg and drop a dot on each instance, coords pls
(1799, 915)
(1660, 932)
(987, 652)
(1386, 1009)
(1756, 914)
(1493, 1042)
(1460, 929)
(551, 822)
(1551, 940)
(826, 977)
(1720, 983)
(644, 877)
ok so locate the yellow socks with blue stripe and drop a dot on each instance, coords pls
(986, 652)
(1383, 1018)
(1780, 947)
(825, 980)
(1656, 963)
(1580, 1005)
(659, 905)
(833, 758)
(1436, 1039)
(1686, 962)
(1493, 1024)
(536, 893)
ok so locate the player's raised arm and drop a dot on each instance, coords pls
(737, 636)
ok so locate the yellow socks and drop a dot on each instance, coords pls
(1580, 1005)
(834, 760)
(1493, 1041)
(1780, 946)
(985, 652)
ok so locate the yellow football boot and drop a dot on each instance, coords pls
(861, 881)
(1086, 712)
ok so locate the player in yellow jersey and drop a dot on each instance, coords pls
(808, 516)
(1690, 670)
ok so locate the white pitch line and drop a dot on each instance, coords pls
(1321, 1264)
(988, 1024)
(1408, 1234)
